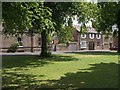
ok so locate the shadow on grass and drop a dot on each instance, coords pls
(34, 60)
(103, 75)
(63, 58)
(21, 61)
(21, 81)
(95, 53)
(13, 78)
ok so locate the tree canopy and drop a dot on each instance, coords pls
(109, 14)
(20, 17)
(43, 17)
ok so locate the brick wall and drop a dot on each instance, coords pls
(99, 44)
(115, 41)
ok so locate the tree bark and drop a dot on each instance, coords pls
(119, 39)
(118, 23)
(44, 48)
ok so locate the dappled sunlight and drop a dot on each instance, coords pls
(69, 71)
(103, 75)
(20, 71)
(88, 55)
(19, 61)
(85, 56)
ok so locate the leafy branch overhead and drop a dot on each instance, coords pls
(44, 18)
(19, 17)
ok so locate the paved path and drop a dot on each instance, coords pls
(57, 52)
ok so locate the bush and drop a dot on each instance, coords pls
(13, 47)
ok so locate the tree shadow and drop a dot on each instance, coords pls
(103, 75)
(21, 81)
(34, 60)
(63, 58)
(22, 61)
(14, 78)
(94, 53)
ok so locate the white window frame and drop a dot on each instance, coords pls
(85, 45)
(98, 36)
(83, 36)
(91, 36)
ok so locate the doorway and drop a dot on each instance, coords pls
(91, 45)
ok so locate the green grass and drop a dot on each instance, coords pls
(76, 70)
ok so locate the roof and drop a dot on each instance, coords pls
(92, 30)
(89, 29)
(77, 27)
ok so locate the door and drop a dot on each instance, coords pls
(72, 47)
(91, 45)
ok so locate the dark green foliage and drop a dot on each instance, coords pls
(26, 16)
(65, 34)
(109, 15)
(60, 11)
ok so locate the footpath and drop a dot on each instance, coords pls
(54, 52)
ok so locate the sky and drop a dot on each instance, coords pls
(75, 22)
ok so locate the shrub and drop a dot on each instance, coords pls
(13, 47)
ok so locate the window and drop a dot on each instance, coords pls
(98, 43)
(83, 44)
(83, 36)
(91, 36)
(19, 39)
(39, 41)
(98, 36)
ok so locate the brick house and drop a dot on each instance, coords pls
(115, 41)
(92, 40)
(25, 42)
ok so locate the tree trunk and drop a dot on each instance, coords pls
(118, 23)
(44, 48)
(119, 39)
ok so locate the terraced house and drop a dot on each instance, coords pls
(92, 40)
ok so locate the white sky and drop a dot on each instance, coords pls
(75, 22)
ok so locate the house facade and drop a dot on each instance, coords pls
(92, 40)
(25, 42)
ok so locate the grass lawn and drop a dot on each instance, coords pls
(70, 71)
